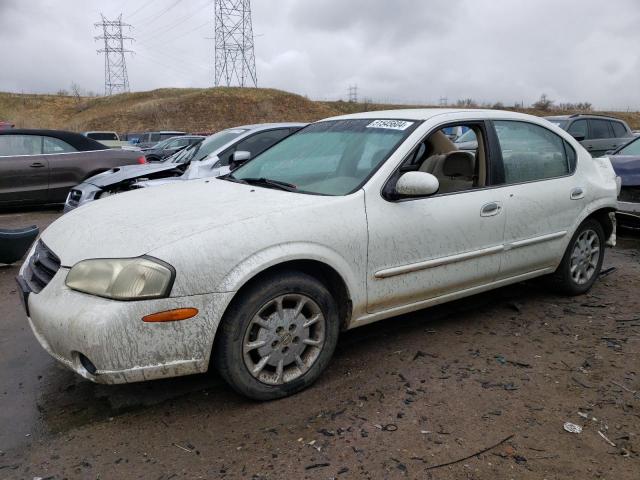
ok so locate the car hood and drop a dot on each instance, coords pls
(128, 172)
(627, 167)
(135, 223)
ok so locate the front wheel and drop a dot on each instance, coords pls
(277, 336)
(582, 260)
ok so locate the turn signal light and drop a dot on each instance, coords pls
(171, 315)
(142, 160)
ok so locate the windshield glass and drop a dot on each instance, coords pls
(632, 148)
(329, 158)
(162, 144)
(206, 147)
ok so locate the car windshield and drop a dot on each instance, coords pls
(330, 157)
(206, 147)
(631, 148)
(163, 143)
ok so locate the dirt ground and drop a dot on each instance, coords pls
(490, 379)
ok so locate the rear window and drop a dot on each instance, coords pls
(102, 136)
(618, 130)
(164, 136)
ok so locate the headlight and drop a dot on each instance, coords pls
(122, 279)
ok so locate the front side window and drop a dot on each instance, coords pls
(579, 129)
(209, 145)
(599, 129)
(55, 145)
(632, 148)
(531, 152)
(331, 157)
(20, 145)
(259, 142)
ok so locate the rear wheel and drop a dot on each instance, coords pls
(582, 260)
(277, 336)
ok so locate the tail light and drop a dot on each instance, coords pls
(142, 160)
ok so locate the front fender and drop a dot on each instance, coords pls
(288, 252)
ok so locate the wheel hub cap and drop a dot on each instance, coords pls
(585, 257)
(284, 339)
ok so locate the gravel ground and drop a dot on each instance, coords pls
(485, 383)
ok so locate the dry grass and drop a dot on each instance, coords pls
(193, 110)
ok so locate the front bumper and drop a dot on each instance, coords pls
(111, 334)
(81, 194)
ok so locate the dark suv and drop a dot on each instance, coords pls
(597, 133)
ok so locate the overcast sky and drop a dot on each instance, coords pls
(394, 50)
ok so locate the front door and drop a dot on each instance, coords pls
(24, 171)
(424, 248)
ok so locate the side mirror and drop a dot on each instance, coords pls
(578, 137)
(417, 184)
(239, 157)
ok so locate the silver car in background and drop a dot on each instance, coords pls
(209, 158)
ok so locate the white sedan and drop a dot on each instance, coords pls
(351, 220)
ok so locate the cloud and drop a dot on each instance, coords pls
(405, 50)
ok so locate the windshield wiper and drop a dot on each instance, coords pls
(231, 178)
(267, 182)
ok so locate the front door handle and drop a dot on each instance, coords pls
(577, 193)
(37, 165)
(490, 209)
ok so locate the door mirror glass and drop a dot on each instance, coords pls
(417, 184)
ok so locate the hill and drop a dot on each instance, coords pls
(192, 110)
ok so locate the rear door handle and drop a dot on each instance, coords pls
(577, 193)
(490, 209)
(37, 165)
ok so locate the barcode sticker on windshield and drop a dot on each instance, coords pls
(390, 124)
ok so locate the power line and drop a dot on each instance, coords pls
(116, 79)
(162, 31)
(146, 4)
(157, 15)
(234, 60)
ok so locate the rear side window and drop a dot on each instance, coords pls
(20, 145)
(618, 130)
(55, 145)
(599, 129)
(579, 129)
(531, 152)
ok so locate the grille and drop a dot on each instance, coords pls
(74, 197)
(630, 194)
(42, 266)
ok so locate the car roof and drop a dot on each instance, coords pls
(76, 140)
(421, 114)
(268, 126)
(581, 115)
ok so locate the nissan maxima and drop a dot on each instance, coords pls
(351, 220)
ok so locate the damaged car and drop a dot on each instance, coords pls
(351, 220)
(207, 158)
(626, 163)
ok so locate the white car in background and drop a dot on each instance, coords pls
(351, 220)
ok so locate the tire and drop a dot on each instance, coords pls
(579, 270)
(261, 332)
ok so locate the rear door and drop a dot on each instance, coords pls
(24, 171)
(67, 167)
(543, 196)
(601, 137)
